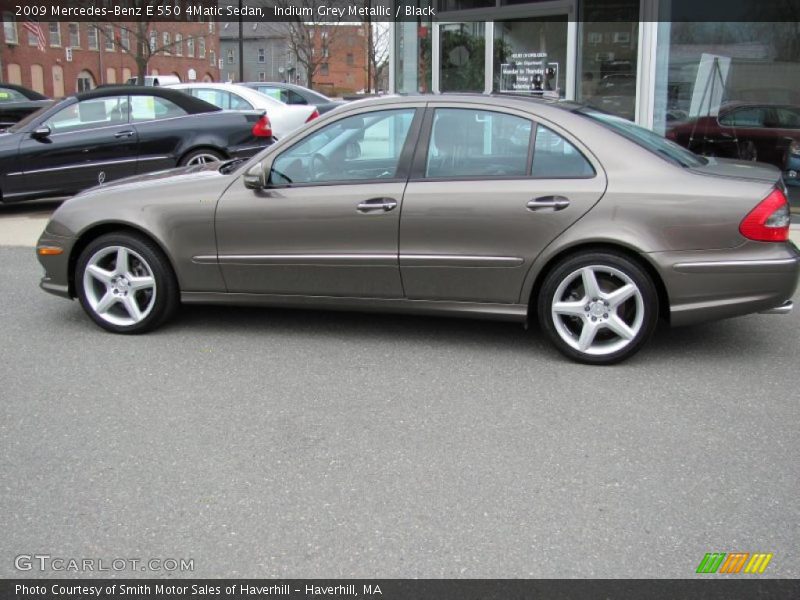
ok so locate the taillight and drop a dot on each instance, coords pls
(312, 116)
(769, 221)
(263, 128)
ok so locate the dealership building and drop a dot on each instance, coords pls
(665, 64)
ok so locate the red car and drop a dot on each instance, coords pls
(768, 133)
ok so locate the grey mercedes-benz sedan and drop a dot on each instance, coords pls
(498, 207)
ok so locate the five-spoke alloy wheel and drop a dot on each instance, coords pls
(201, 157)
(598, 308)
(125, 283)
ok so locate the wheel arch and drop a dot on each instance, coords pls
(87, 236)
(203, 146)
(601, 246)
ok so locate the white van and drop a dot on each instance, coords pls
(152, 80)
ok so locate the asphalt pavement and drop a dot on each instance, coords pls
(279, 443)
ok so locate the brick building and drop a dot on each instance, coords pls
(80, 56)
(343, 69)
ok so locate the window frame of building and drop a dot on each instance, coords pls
(324, 69)
(190, 47)
(166, 42)
(262, 55)
(230, 55)
(108, 36)
(10, 26)
(93, 38)
(125, 39)
(178, 45)
(74, 30)
(212, 58)
(262, 76)
(51, 33)
(351, 59)
(201, 47)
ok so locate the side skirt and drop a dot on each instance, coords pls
(478, 310)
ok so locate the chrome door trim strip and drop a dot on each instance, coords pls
(458, 260)
(83, 165)
(405, 260)
(733, 265)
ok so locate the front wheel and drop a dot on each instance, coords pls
(125, 283)
(598, 308)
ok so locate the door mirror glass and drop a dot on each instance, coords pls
(41, 132)
(254, 177)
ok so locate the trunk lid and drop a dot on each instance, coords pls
(739, 169)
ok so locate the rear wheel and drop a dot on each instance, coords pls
(125, 283)
(201, 157)
(598, 308)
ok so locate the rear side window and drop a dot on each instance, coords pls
(745, 117)
(554, 157)
(150, 108)
(477, 143)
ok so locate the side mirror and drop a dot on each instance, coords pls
(41, 132)
(255, 177)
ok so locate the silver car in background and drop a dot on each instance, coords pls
(285, 118)
(496, 207)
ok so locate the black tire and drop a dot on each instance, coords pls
(151, 262)
(194, 154)
(641, 310)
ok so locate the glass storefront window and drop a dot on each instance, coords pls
(462, 55)
(608, 56)
(412, 51)
(530, 55)
(730, 90)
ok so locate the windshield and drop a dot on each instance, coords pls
(645, 138)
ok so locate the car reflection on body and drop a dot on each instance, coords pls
(495, 207)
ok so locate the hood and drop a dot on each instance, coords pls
(739, 169)
(179, 175)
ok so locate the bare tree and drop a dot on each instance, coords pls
(140, 38)
(310, 37)
(377, 53)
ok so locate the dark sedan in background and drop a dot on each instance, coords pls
(288, 93)
(17, 102)
(113, 132)
(767, 133)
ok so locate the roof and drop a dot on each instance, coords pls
(28, 93)
(188, 103)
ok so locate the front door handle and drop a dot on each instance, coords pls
(551, 202)
(377, 204)
(124, 134)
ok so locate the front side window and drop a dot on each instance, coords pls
(477, 143)
(554, 157)
(358, 148)
(151, 108)
(90, 114)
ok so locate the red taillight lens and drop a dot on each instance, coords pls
(263, 128)
(769, 221)
(312, 116)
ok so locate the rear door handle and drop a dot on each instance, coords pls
(551, 202)
(124, 134)
(377, 204)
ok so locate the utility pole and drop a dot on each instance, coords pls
(241, 43)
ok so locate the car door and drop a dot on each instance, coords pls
(489, 190)
(90, 142)
(327, 223)
(159, 130)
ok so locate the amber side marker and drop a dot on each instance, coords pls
(49, 251)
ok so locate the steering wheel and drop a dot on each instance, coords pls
(320, 166)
